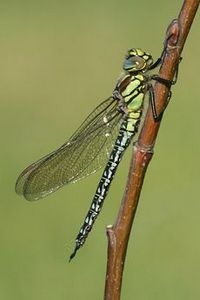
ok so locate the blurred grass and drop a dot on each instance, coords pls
(58, 61)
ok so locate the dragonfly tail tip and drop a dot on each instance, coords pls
(73, 254)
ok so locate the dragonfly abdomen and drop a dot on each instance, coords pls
(122, 142)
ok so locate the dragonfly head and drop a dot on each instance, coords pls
(137, 60)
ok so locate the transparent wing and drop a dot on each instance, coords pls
(85, 152)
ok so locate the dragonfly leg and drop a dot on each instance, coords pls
(157, 116)
(156, 63)
(176, 72)
(167, 82)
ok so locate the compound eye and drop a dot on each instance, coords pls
(134, 63)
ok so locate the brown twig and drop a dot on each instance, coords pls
(118, 234)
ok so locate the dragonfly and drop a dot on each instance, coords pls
(101, 140)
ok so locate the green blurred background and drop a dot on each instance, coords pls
(59, 59)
